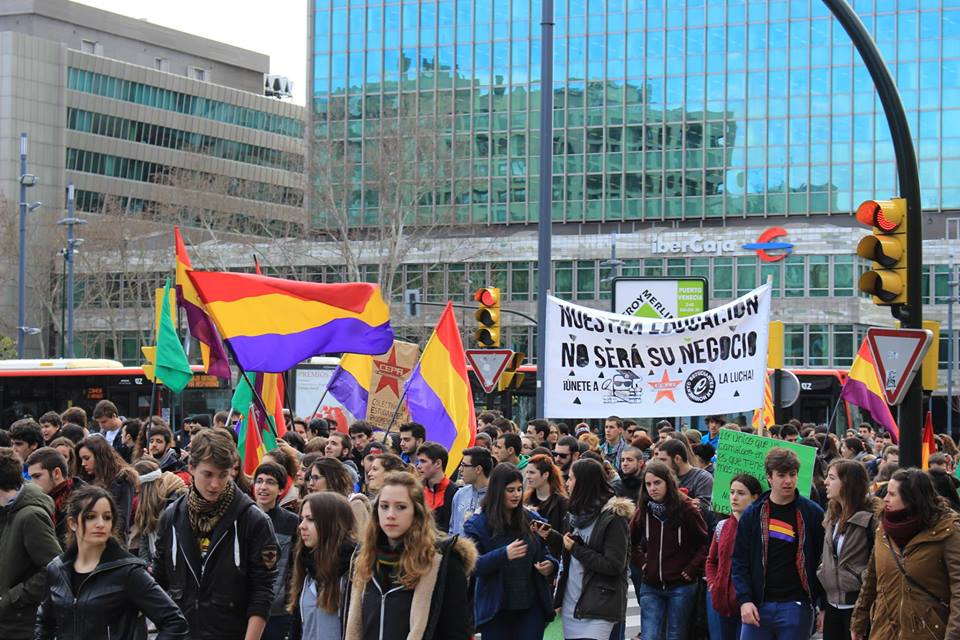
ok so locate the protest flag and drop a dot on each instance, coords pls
(171, 366)
(350, 383)
(929, 445)
(764, 417)
(272, 324)
(438, 391)
(258, 430)
(201, 327)
(863, 389)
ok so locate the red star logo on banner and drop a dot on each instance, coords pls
(664, 387)
(390, 373)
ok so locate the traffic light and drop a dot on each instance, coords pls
(487, 333)
(886, 248)
(511, 378)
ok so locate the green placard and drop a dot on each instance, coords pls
(740, 452)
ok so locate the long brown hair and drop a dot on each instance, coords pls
(336, 475)
(333, 520)
(854, 496)
(81, 502)
(154, 496)
(544, 464)
(674, 499)
(73, 465)
(419, 542)
(109, 465)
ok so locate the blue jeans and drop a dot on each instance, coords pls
(721, 627)
(781, 621)
(665, 613)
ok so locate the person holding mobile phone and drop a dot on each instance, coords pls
(512, 597)
(547, 496)
(591, 591)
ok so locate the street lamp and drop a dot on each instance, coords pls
(26, 180)
(68, 256)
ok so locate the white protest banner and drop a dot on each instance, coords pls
(599, 364)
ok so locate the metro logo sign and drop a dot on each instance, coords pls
(766, 243)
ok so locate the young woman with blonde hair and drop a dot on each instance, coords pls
(407, 581)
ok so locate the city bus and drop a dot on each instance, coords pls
(33, 387)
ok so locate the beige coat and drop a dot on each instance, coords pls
(891, 608)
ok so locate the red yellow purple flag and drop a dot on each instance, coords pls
(864, 389)
(201, 327)
(438, 391)
(929, 446)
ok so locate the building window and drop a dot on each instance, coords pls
(723, 278)
(843, 276)
(793, 276)
(198, 74)
(519, 281)
(843, 345)
(563, 279)
(819, 270)
(818, 349)
(161, 64)
(746, 275)
(793, 351)
(586, 280)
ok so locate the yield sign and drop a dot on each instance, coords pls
(488, 364)
(898, 354)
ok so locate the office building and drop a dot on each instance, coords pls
(153, 127)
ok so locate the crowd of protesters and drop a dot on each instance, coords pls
(109, 525)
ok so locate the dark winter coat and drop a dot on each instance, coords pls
(436, 609)
(235, 582)
(109, 602)
(488, 591)
(749, 566)
(605, 558)
(27, 544)
(663, 551)
(285, 528)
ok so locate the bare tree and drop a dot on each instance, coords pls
(380, 196)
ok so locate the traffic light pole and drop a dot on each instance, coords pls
(911, 314)
(545, 218)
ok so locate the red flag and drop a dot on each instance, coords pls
(929, 445)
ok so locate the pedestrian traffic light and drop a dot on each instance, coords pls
(487, 333)
(886, 248)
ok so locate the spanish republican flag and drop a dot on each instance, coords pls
(350, 383)
(864, 389)
(929, 445)
(438, 391)
(764, 417)
(272, 324)
(201, 327)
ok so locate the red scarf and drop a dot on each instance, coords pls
(434, 497)
(901, 526)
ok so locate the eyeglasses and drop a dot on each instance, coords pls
(563, 455)
(468, 466)
(267, 481)
(314, 478)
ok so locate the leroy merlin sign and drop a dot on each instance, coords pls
(660, 298)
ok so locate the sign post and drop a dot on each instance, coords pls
(898, 354)
(488, 365)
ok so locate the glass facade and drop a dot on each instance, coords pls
(102, 124)
(159, 98)
(663, 110)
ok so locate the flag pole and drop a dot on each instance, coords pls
(256, 394)
(396, 412)
(317, 408)
(833, 415)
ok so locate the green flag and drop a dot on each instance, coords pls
(172, 366)
(242, 397)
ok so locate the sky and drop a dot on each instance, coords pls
(277, 29)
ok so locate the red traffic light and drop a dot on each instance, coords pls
(882, 214)
(487, 296)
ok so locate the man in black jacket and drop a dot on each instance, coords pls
(438, 491)
(216, 551)
(268, 481)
